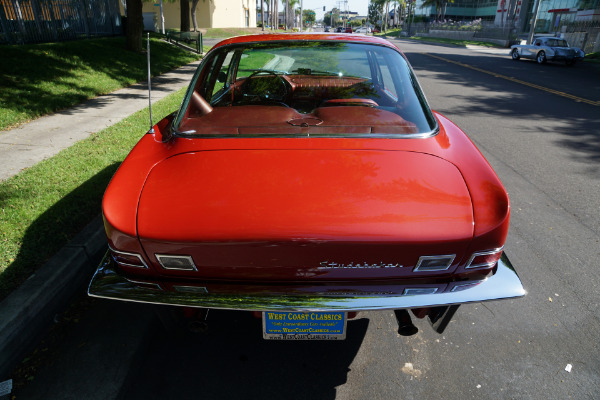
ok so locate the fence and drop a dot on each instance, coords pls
(31, 21)
(461, 31)
(582, 34)
(585, 35)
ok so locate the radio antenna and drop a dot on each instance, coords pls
(149, 87)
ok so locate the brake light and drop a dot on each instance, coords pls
(126, 259)
(434, 263)
(182, 263)
(484, 259)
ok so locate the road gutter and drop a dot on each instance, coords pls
(27, 312)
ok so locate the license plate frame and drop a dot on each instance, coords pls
(295, 325)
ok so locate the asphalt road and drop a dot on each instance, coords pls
(539, 127)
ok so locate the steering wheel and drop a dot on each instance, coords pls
(271, 87)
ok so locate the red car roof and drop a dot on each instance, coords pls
(277, 37)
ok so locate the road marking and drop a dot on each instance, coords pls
(508, 78)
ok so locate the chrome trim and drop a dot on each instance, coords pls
(482, 253)
(108, 283)
(188, 258)
(144, 265)
(423, 258)
(423, 135)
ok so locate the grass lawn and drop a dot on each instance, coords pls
(593, 57)
(45, 206)
(221, 33)
(39, 79)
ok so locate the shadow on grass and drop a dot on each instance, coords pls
(43, 78)
(55, 228)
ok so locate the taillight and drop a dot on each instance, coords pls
(181, 263)
(484, 259)
(434, 263)
(126, 259)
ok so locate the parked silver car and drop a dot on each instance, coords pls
(546, 49)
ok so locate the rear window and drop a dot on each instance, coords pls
(557, 43)
(305, 87)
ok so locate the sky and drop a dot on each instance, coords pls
(359, 6)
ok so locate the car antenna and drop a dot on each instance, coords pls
(149, 87)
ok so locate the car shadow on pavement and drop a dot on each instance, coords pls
(233, 361)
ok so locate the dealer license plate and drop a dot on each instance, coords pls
(304, 325)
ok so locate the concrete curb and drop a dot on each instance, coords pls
(28, 311)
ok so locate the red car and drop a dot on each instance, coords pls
(348, 29)
(305, 178)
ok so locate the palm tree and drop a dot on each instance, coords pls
(194, 22)
(290, 5)
(262, 14)
(438, 4)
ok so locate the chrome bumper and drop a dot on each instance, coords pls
(108, 283)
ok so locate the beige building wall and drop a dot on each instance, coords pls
(234, 14)
(209, 14)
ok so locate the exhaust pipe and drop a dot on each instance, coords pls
(198, 326)
(405, 325)
(197, 320)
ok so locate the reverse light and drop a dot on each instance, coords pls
(459, 287)
(146, 285)
(126, 259)
(434, 263)
(484, 259)
(181, 263)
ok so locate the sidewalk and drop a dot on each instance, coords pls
(44, 137)
(28, 311)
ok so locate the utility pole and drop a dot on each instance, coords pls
(533, 21)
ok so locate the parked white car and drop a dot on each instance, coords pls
(363, 29)
(546, 49)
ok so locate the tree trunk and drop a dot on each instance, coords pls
(272, 14)
(185, 15)
(387, 15)
(262, 14)
(135, 26)
(194, 4)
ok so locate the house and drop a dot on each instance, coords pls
(209, 14)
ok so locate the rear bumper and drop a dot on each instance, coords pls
(565, 57)
(109, 283)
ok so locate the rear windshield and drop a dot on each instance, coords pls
(305, 87)
(557, 43)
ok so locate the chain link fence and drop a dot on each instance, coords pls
(33, 21)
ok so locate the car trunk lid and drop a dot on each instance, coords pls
(304, 214)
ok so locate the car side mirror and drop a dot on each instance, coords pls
(222, 77)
